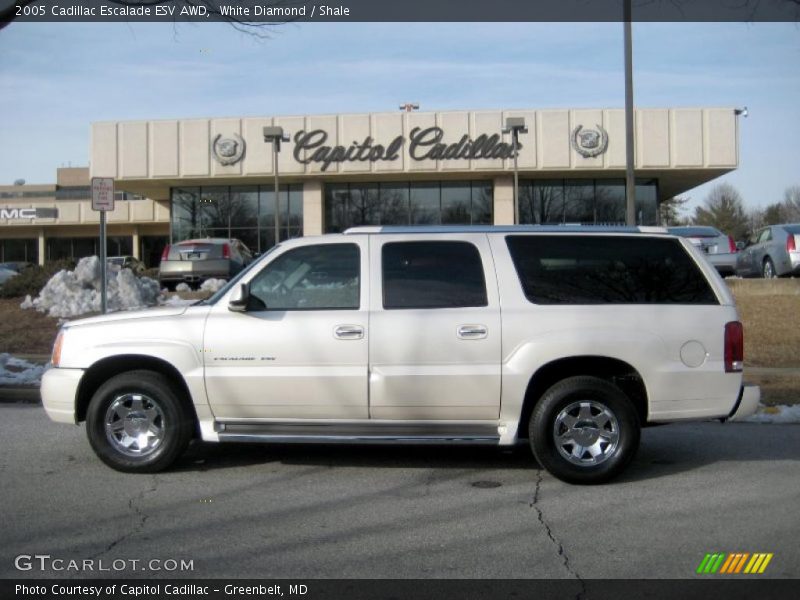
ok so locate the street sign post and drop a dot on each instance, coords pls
(103, 201)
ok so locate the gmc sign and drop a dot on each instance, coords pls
(17, 214)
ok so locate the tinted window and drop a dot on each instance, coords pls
(793, 229)
(432, 275)
(607, 270)
(321, 277)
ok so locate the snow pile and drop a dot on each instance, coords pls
(776, 414)
(73, 293)
(212, 285)
(16, 371)
(183, 287)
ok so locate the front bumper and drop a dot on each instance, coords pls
(59, 391)
(746, 404)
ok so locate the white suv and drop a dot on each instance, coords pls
(571, 338)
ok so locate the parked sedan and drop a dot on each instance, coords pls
(719, 249)
(194, 261)
(773, 251)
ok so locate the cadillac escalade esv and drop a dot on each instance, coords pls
(572, 338)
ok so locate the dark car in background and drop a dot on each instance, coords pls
(718, 248)
(772, 251)
(195, 261)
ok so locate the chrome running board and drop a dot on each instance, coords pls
(367, 433)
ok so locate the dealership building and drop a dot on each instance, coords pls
(181, 179)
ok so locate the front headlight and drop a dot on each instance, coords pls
(55, 359)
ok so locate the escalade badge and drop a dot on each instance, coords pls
(590, 142)
(228, 150)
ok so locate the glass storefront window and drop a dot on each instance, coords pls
(400, 203)
(19, 250)
(246, 213)
(585, 201)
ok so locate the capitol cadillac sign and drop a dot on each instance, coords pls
(423, 144)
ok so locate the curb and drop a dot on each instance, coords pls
(19, 395)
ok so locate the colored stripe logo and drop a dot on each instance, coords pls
(734, 563)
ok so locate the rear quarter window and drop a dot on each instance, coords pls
(607, 270)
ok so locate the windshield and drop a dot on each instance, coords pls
(224, 289)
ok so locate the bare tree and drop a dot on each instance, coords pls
(791, 204)
(723, 208)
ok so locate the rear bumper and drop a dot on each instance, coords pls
(59, 390)
(746, 403)
(724, 263)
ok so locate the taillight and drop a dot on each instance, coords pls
(731, 244)
(226, 250)
(56, 358)
(790, 244)
(165, 252)
(734, 347)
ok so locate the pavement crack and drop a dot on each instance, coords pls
(141, 519)
(549, 531)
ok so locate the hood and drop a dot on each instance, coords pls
(147, 313)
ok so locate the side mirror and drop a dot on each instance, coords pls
(240, 301)
(742, 245)
(245, 302)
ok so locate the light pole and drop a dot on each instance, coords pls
(275, 135)
(515, 126)
(630, 177)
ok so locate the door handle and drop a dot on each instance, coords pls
(348, 332)
(473, 332)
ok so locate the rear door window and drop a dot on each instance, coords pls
(607, 270)
(432, 275)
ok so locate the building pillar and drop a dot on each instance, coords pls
(504, 200)
(313, 208)
(135, 243)
(41, 248)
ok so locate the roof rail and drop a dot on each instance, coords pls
(385, 229)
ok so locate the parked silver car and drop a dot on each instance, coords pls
(773, 251)
(194, 261)
(719, 249)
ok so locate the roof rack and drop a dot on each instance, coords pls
(384, 229)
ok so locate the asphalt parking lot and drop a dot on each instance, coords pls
(377, 512)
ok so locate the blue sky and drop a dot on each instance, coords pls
(57, 78)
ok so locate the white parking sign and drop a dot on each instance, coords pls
(102, 193)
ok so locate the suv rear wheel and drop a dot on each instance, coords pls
(137, 423)
(584, 430)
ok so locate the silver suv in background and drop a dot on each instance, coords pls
(194, 261)
(718, 248)
(773, 251)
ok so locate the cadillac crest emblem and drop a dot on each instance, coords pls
(589, 142)
(228, 150)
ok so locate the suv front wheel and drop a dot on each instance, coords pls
(584, 430)
(137, 423)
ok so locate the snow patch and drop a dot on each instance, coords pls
(74, 293)
(183, 287)
(212, 285)
(17, 371)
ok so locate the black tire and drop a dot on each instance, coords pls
(142, 400)
(609, 410)
(768, 269)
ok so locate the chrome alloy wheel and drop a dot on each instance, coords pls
(586, 433)
(134, 424)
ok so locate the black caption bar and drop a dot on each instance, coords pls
(282, 11)
(385, 589)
